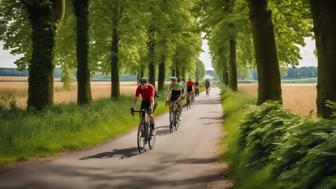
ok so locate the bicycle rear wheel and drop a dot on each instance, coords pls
(141, 141)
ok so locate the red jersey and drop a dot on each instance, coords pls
(190, 84)
(196, 84)
(145, 93)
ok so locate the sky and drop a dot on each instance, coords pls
(307, 54)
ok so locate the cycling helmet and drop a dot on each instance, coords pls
(173, 78)
(143, 80)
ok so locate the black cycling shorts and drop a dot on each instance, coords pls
(189, 89)
(174, 95)
(146, 105)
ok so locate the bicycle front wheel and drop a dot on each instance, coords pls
(141, 139)
(171, 121)
(175, 120)
(151, 140)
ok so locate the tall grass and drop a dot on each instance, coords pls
(235, 104)
(273, 148)
(64, 127)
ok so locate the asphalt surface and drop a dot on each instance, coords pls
(187, 158)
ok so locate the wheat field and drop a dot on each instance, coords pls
(17, 87)
(299, 98)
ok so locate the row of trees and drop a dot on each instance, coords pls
(147, 38)
(266, 34)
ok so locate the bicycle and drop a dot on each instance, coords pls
(144, 137)
(174, 113)
(192, 97)
(207, 91)
(196, 91)
(188, 99)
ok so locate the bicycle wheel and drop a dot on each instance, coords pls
(151, 140)
(141, 139)
(171, 121)
(175, 119)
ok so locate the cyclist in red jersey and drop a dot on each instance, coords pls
(147, 92)
(196, 87)
(190, 85)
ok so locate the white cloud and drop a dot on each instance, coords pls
(6, 59)
(307, 53)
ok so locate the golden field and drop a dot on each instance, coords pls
(300, 98)
(18, 88)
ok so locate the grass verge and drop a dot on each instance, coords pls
(25, 134)
(234, 104)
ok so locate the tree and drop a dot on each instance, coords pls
(83, 72)
(324, 17)
(233, 64)
(44, 17)
(118, 37)
(269, 80)
(224, 23)
(200, 70)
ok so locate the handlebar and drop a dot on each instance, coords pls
(140, 111)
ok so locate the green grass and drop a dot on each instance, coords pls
(24, 135)
(234, 104)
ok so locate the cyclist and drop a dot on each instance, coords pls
(190, 85)
(207, 86)
(147, 92)
(196, 87)
(181, 82)
(175, 94)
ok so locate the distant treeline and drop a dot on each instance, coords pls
(95, 77)
(295, 73)
(24, 73)
(301, 73)
(58, 74)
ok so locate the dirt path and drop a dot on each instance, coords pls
(185, 159)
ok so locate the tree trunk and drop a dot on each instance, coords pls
(324, 17)
(233, 65)
(178, 72)
(225, 70)
(226, 78)
(269, 80)
(83, 71)
(173, 72)
(142, 71)
(115, 88)
(66, 77)
(183, 70)
(162, 74)
(151, 56)
(44, 22)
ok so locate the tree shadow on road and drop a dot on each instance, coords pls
(121, 153)
(162, 130)
(212, 118)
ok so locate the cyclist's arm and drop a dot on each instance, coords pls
(169, 95)
(152, 102)
(135, 101)
(181, 95)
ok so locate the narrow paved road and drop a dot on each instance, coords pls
(184, 159)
